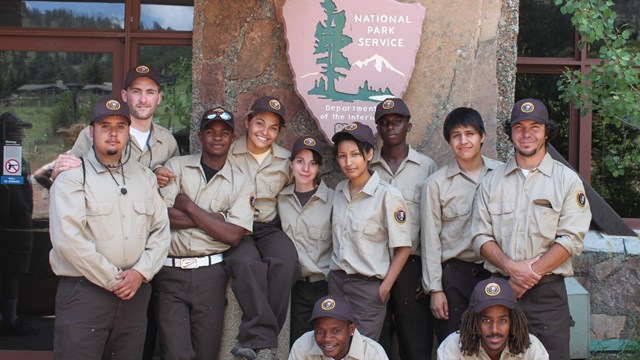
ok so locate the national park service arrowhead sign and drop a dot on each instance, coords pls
(348, 55)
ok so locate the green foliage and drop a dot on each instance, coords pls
(175, 109)
(611, 90)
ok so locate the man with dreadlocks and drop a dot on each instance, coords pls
(493, 327)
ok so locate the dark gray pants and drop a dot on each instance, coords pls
(189, 307)
(547, 308)
(363, 294)
(458, 280)
(303, 296)
(263, 268)
(93, 323)
(412, 318)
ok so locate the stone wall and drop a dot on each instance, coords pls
(608, 269)
(466, 58)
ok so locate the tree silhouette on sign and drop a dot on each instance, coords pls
(330, 40)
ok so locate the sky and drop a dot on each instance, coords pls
(176, 17)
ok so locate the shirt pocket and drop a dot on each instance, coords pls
(367, 231)
(143, 212)
(274, 184)
(99, 216)
(545, 216)
(412, 198)
(317, 233)
(454, 211)
(502, 214)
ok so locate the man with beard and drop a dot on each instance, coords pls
(110, 235)
(530, 218)
(334, 335)
(493, 327)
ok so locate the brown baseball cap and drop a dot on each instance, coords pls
(359, 131)
(216, 113)
(306, 142)
(108, 106)
(268, 104)
(141, 71)
(492, 291)
(529, 109)
(392, 106)
(333, 306)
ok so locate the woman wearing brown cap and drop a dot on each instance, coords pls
(371, 232)
(264, 266)
(305, 211)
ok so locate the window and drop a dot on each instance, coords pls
(57, 58)
(545, 49)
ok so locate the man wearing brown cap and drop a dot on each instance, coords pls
(334, 335)
(406, 169)
(210, 211)
(530, 218)
(150, 144)
(450, 267)
(110, 234)
(493, 327)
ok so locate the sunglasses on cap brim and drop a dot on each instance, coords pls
(220, 114)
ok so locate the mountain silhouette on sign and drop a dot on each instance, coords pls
(379, 61)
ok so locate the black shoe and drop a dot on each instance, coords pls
(16, 329)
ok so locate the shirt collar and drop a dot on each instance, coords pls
(453, 168)
(545, 167)
(193, 161)
(371, 185)
(240, 147)
(321, 193)
(412, 156)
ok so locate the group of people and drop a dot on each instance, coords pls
(141, 235)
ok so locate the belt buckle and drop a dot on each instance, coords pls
(189, 263)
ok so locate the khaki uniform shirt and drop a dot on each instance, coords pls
(97, 232)
(309, 227)
(409, 177)
(451, 349)
(367, 228)
(268, 178)
(447, 200)
(228, 191)
(162, 147)
(527, 216)
(362, 348)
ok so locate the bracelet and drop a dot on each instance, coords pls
(224, 216)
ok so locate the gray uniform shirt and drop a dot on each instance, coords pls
(268, 177)
(526, 216)
(447, 200)
(97, 232)
(309, 227)
(409, 178)
(228, 191)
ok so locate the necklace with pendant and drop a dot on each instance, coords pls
(123, 189)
